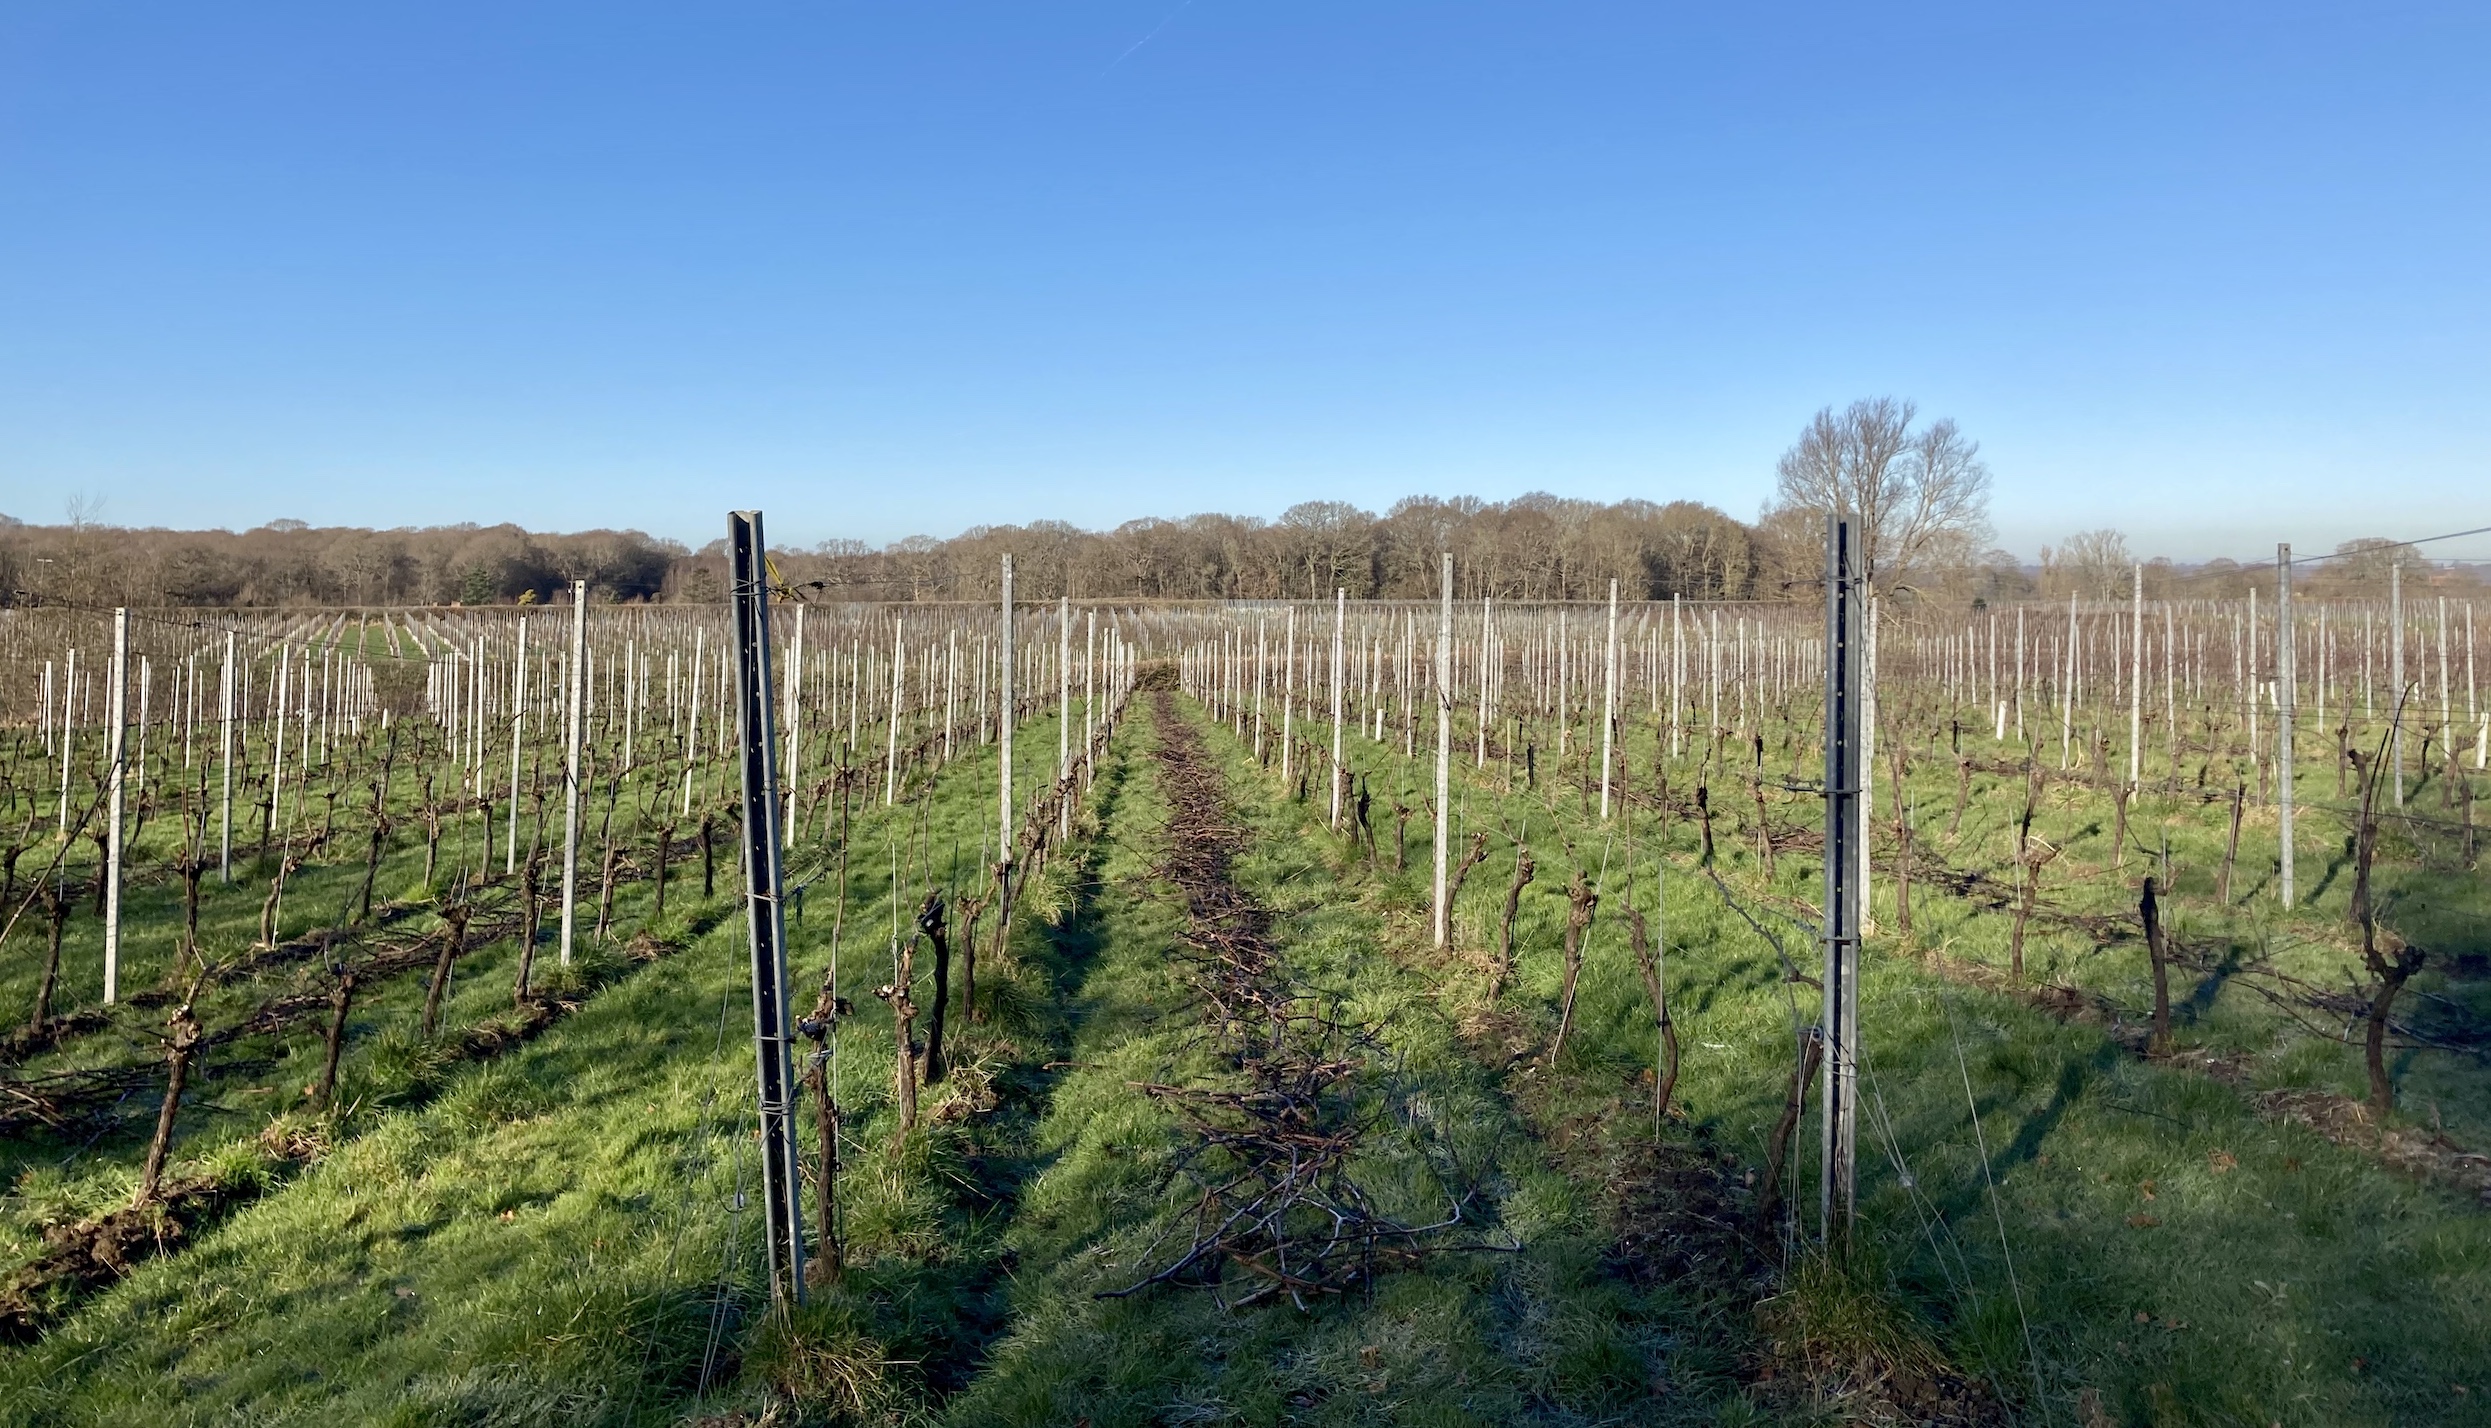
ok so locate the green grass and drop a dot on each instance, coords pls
(2314, 1286)
(554, 1236)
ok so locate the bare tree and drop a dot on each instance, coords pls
(2095, 565)
(1920, 498)
(1330, 544)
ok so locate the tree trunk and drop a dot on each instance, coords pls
(709, 859)
(968, 955)
(340, 1001)
(530, 874)
(2031, 877)
(56, 910)
(1581, 902)
(2392, 976)
(455, 935)
(1665, 1076)
(2119, 828)
(2231, 845)
(432, 837)
(1478, 854)
(930, 922)
(1902, 876)
(904, 1041)
(193, 867)
(605, 895)
(178, 1052)
(1524, 871)
(665, 851)
(1764, 831)
(371, 871)
(827, 1265)
(1794, 1104)
(2159, 1044)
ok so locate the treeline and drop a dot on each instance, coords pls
(1536, 547)
(290, 563)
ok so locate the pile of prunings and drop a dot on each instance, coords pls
(1276, 1210)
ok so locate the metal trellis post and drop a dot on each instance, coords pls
(1844, 833)
(781, 1194)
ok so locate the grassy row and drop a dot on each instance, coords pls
(565, 1234)
(2070, 1224)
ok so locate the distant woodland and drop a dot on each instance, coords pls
(1536, 547)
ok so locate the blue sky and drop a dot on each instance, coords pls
(2216, 275)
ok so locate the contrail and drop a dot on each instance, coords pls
(1146, 39)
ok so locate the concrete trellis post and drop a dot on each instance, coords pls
(1089, 700)
(1003, 725)
(793, 774)
(1608, 708)
(2396, 675)
(1340, 613)
(2285, 678)
(1288, 699)
(1063, 710)
(276, 764)
(571, 764)
(117, 705)
(226, 696)
(1677, 674)
(692, 721)
(891, 733)
(518, 725)
(1444, 748)
(1262, 659)
(1487, 675)
(2136, 680)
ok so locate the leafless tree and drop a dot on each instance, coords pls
(1920, 497)
(2094, 565)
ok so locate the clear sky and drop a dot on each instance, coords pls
(2217, 275)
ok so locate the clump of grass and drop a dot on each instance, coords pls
(819, 1360)
(494, 1096)
(1843, 1329)
(400, 1064)
(1008, 1002)
(495, 1399)
(893, 1210)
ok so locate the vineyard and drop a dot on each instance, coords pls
(1326, 1011)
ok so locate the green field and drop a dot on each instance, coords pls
(546, 1210)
